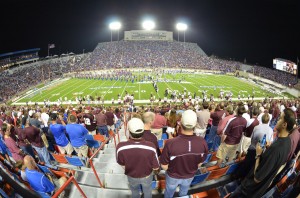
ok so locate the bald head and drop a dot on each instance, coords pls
(29, 162)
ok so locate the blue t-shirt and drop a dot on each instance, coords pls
(38, 181)
(77, 134)
(3, 148)
(58, 132)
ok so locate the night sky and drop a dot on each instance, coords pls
(256, 30)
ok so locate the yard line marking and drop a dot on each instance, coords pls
(75, 88)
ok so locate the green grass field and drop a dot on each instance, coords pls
(142, 90)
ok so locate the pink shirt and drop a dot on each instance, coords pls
(223, 123)
(159, 122)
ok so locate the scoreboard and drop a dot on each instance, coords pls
(285, 65)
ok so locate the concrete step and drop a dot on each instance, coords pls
(92, 192)
(108, 158)
(116, 181)
(89, 178)
(111, 151)
(112, 168)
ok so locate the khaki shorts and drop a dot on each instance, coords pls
(226, 150)
(112, 127)
(82, 151)
(244, 144)
(157, 133)
(92, 132)
(66, 149)
(200, 132)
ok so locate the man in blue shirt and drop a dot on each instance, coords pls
(38, 180)
(58, 131)
(77, 135)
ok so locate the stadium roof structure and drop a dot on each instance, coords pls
(19, 52)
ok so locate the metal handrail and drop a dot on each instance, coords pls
(62, 188)
(91, 162)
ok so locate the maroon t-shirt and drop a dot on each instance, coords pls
(183, 154)
(150, 137)
(32, 134)
(217, 117)
(234, 130)
(249, 129)
(89, 122)
(138, 156)
(21, 135)
(109, 118)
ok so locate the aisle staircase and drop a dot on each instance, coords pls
(110, 173)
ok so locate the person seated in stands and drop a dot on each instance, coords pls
(16, 152)
(148, 119)
(139, 159)
(270, 162)
(232, 136)
(58, 131)
(182, 156)
(77, 135)
(39, 181)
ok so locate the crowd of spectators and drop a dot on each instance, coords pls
(22, 130)
(128, 54)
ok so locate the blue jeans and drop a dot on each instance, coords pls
(213, 139)
(103, 130)
(43, 154)
(172, 183)
(28, 149)
(136, 183)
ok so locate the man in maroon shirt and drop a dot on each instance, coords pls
(32, 134)
(159, 122)
(89, 122)
(216, 117)
(101, 123)
(110, 119)
(148, 119)
(182, 156)
(232, 136)
(139, 158)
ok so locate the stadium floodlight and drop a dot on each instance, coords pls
(181, 27)
(148, 25)
(114, 26)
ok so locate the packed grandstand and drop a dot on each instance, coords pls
(86, 143)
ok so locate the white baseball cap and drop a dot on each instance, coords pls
(136, 126)
(189, 119)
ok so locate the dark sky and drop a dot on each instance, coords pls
(258, 30)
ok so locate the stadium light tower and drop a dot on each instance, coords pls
(148, 25)
(114, 26)
(181, 27)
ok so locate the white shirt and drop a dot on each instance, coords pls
(45, 118)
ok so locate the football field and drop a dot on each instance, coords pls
(109, 89)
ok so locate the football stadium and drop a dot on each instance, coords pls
(148, 114)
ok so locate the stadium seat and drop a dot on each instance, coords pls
(199, 178)
(44, 169)
(160, 143)
(164, 136)
(273, 192)
(3, 194)
(75, 161)
(161, 184)
(208, 157)
(56, 148)
(60, 158)
(230, 187)
(89, 137)
(43, 195)
(154, 184)
(93, 143)
(100, 138)
(199, 195)
(217, 173)
(214, 156)
(232, 168)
